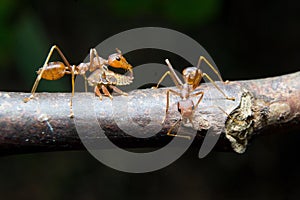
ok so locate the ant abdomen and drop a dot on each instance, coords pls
(53, 71)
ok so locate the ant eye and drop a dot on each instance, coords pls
(118, 58)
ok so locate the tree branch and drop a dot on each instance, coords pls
(43, 124)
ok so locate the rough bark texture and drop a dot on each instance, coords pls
(43, 124)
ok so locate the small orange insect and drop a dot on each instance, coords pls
(192, 77)
(56, 70)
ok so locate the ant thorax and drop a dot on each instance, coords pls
(185, 91)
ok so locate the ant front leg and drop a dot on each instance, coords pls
(168, 98)
(202, 58)
(99, 61)
(218, 88)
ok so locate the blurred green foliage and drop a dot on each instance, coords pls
(29, 42)
(7, 9)
(187, 13)
(192, 12)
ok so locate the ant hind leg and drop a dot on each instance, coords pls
(39, 77)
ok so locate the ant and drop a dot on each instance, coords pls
(56, 70)
(192, 77)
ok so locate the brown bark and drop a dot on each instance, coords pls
(43, 124)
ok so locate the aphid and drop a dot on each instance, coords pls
(192, 77)
(56, 70)
(103, 78)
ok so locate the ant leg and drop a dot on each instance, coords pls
(168, 98)
(118, 90)
(200, 99)
(202, 58)
(235, 120)
(172, 74)
(168, 102)
(161, 79)
(54, 47)
(92, 55)
(175, 135)
(223, 111)
(106, 92)
(98, 93)
(195, 107)
(167, 109)
(210, 79)
(164, 76)
(100, 61)
(73, 86)
(85, 82)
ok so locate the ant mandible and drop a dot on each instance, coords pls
(192, 77)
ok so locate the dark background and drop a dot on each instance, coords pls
(246, 39)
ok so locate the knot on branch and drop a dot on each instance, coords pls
(240, 122)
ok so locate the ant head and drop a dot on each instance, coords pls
(192, 75)
(117, 60)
